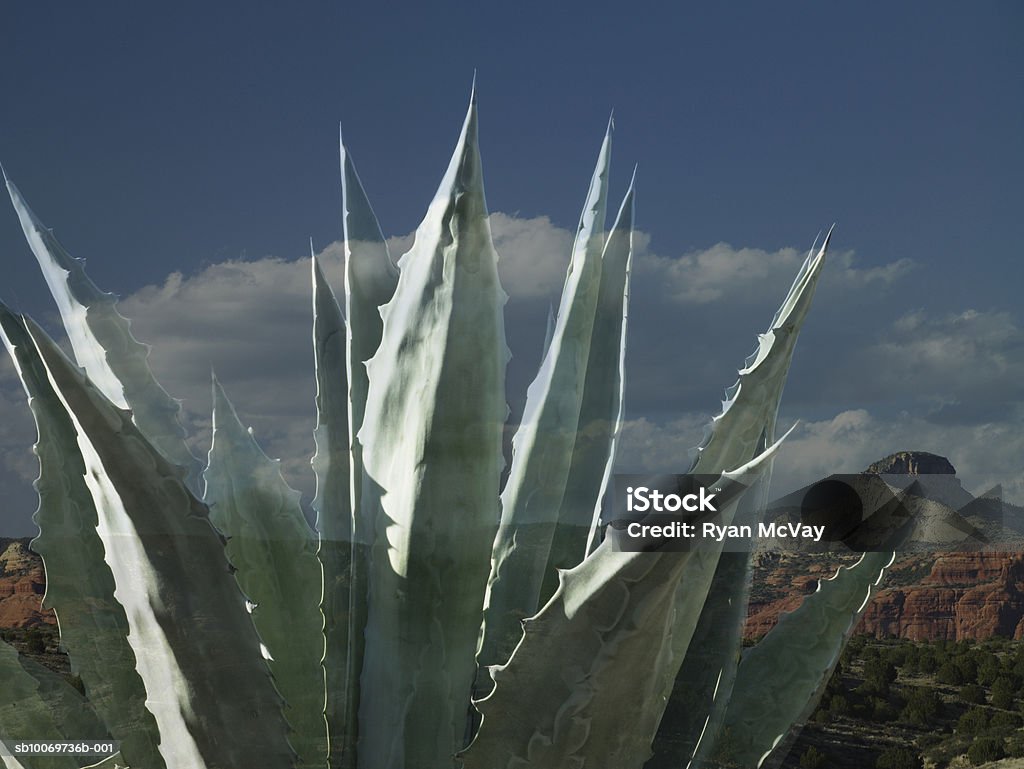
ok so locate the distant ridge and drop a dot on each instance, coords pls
(929, 595)
(912, 463)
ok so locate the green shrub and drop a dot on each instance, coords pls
(922, 707)
(986, 749)
(835, 683)
(873, 687)
(880, 670)
(899, 655)
(927, 662)
(973, 721)
(973, 693)
(35, 643)
(898, 758)
(1003, 693)
(927, 740)
(839, 705)
(989, 670)
(1015, 747)
(1004, 720)
(812, 758)
(882, 711)
(951, 673)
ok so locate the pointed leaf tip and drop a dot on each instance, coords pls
(828, 237)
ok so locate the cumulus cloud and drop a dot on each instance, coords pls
(534, 254)
(250, 320)
(724, 272)
(649, 446)
(983, 454)
(964, 364)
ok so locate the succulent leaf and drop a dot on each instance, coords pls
(344, 607)
(542, 448)
(431, 441)
(370, 280)
(189, 630)
(601, 410)
(79, 584)
(274, 553)
(586, 684)
(747, 423)
(752, 403)
(780, 680)
(72, 713)
(25, 713)
(104, 346)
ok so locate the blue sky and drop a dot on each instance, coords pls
(182, 141)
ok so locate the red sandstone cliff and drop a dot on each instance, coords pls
(22, 584)
(961, 596)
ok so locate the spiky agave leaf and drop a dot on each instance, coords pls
(601, 409)
(781, 679)
(79, 585)
(192, 638)
(72, 713)
(543, 445)
(25, 714)
(370, 279)
(344, 606)
(584, 685)
(752, 403)
(432, 453)
(104, 346)
(274, 553)
(747, 422)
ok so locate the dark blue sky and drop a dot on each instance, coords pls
(208, 131)
(182, 140)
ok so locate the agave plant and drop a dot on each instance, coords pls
(432, 618)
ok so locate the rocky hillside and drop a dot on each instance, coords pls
(930, 594)
(952, 596)
(22, 585)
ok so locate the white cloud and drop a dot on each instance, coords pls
(534, 254)
(251, 322)
(726, 273)
(967, 365)
(983, 454)
(963, 345)
(647, 446)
